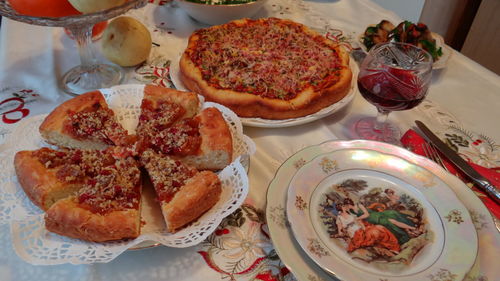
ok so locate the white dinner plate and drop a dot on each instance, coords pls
(267, 123)
(304, 268)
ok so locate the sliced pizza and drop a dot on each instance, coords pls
(161, 107)
(106, 207)
(84, 122)
(47, 175)
(215, 150)
(168, 125)
(184, 193)
(88, 194)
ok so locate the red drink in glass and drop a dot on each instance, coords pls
(393, 89)
(393, 77)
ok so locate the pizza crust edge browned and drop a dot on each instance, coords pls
(249, 105)
(67, 217)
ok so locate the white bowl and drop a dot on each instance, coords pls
(220, 14)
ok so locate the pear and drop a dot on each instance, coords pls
(126, 41)
(92, 6)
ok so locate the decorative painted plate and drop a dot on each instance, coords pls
(305, 269)
(365, 214)
(267, 123)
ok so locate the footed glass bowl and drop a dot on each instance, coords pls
(89, 75)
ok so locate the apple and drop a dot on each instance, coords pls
(126, 41)
(92, 6)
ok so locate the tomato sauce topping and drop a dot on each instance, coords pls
(267, 57)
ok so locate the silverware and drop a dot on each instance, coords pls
(481, 181)
(431, 153)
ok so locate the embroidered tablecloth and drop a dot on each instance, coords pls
(32, 58)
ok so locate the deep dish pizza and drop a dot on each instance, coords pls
(95, 194)
(269, 68)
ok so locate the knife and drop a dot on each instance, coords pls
(481, 181)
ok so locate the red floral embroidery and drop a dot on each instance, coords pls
(13, 109)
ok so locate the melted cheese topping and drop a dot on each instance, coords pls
(268, 57)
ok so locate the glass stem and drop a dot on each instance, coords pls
(382, 116)
(83, 38)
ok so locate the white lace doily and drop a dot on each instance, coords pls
(36, 245)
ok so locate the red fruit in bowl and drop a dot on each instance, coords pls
(43, 8)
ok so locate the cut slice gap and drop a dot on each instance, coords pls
(184, 193)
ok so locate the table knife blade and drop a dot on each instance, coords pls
(477, 178)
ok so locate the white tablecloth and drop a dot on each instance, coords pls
(32, 58)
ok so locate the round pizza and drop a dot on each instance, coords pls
(269, 68)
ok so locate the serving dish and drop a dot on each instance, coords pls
(34, 244)
(439, 64)
(267, 123)
(305, 268)
(90, 74)
(213, 14)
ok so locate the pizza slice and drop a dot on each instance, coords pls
(204, 142)
(168, 125)
(106, 208)
(84, 122)
(47, 175)
(87, 194)
(184, 193)
(161, 107)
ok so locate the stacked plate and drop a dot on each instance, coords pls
(364, 210)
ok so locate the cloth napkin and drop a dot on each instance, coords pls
(412, 141)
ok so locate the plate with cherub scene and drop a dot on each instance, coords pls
(365, 215)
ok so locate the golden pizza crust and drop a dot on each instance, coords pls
(216, 149)
(249, 105)
(187, 100)
(40, 184)
(53, 127)
(198, 195)
(67, 217)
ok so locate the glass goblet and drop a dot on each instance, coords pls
(393, 76)
(90, 74)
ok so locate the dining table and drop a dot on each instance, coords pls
(463, 103)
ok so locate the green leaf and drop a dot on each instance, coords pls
(371, 30)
